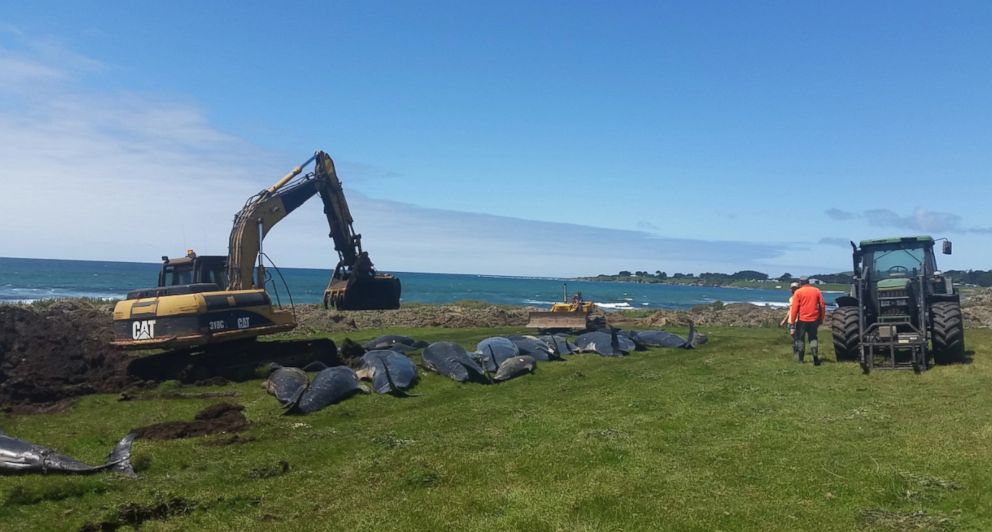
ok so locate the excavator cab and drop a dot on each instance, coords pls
(193, 269)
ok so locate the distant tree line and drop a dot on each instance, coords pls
(975, 277)
(970, 277)
(702, 278)
(832, 278)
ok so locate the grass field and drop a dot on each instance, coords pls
(730, 436)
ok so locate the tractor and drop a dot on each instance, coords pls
(900, 307)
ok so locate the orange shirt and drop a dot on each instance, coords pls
(807, 304)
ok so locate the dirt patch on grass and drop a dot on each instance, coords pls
(134, 514)
(53, 352)
(58, 351)
(215, 419)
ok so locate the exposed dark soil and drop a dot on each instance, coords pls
(58, 352)
(233, 439)
(134, 514)
(215, 419)
(51, 354)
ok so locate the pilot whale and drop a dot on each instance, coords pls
(667, 339)
(451, 360)
(19, 456)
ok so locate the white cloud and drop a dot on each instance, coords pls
(126, 176)
(919, 220)
(16, 71)
(834, 241)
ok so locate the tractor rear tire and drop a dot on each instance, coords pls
(844, 328)
(948, 332)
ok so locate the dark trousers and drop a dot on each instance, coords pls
(806, 332)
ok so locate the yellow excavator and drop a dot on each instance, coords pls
(204, 300)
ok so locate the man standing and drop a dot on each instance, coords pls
(788, 316)
(806, 314)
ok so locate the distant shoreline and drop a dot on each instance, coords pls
(765, 285)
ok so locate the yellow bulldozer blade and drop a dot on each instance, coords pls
(557, 320)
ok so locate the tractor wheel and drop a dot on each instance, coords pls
(844, 327)
(948, 332)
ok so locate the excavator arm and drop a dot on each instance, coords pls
(354, 284)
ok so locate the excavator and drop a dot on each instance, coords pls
(209, 300)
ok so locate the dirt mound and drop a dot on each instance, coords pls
(58, 351)
(716, 314)
(977, 308)
(313, 318)
(217, 418)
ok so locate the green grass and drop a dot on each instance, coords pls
(730, 436)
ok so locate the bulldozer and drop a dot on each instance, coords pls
(208, 300)
(565, 316)
(900, 309)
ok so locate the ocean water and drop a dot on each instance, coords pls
(24, 280)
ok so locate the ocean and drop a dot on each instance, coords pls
(26, 280)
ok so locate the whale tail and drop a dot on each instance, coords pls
(293, 405)
(691, 342)
(394, 390)
(119, 459)
(485, 367)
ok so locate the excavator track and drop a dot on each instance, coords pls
(235, 361)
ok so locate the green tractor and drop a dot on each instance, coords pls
(900, 308)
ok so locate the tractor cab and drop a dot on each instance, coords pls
(895, 272)
(900, 276)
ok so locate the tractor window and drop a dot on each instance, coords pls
(897, 263)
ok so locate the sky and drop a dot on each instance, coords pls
(507, 138)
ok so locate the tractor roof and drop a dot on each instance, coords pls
(898, 240)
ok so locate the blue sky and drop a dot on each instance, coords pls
(518, 138)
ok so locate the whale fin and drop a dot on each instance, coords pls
(393, 388)
(119, 459)
(316, 365)
(691, 342)
(293, 405)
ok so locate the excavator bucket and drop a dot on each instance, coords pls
(381, 292)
